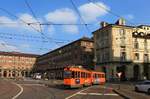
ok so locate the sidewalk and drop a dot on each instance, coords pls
(127, 91)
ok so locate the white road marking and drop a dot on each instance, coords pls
(18, 94)
(111, 94)
(77, 93)
(98, 94)
(33, 84)
(82, 93)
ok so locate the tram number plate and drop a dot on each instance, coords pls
(77, 81)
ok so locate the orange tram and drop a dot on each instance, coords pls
(77, 77)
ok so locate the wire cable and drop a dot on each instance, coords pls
(9, 13)
(109, 11)
(76, 9)
(46, 23)
(31, 10)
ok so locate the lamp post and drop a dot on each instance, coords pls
(94, 62)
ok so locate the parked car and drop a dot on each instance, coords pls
(143, 86)
(37, 76)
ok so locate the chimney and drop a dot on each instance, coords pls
(120, 21)
(103, 24)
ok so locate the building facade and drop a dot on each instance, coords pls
(15, 64)
(77, 53)
(123, 48)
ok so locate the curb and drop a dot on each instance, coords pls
(122, 95)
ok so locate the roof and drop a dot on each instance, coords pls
(18, 54)
(110, 25)
(144, 25)
(81, 39)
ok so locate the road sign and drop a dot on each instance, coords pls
(119, 74)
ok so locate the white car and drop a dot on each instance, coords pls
(143, 86)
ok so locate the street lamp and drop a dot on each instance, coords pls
(94, 62)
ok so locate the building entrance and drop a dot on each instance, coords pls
(122, 69)
(136, 72)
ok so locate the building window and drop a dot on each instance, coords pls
(137, 56)
(122, 32)
(136, 44)
(123, 56)
(145, 44)
(146, 57)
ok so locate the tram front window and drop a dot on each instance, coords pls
(67, 74)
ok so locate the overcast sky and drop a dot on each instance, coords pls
(17, 36)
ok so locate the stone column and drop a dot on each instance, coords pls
(141, 71)
(108, 72)
(7, 75)
(129, 71)
(16, 73)
(2, 73)
(11, 74)
(148, 72)
(24, 73)
(20, 75)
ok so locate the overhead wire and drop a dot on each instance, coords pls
(6, 45)
(81, 17)
(9, 13)
(27, 38)
(34, 15)
(29, 24)
(109, 11)
(46, 23)
(37, 23)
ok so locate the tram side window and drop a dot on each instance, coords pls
(81, 74)
(86, 75)
(94, 75)
(89, 75)
(78, 74)
(98, 75)
(67, 74)
(103, 76)
(73, 74)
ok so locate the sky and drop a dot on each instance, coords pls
(17, 35)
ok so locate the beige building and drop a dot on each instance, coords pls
(15, 64)
(123, 48)
(76, 53)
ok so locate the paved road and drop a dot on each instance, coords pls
(128, 90)
(96, 92)
(8, 89)
(34, 90)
